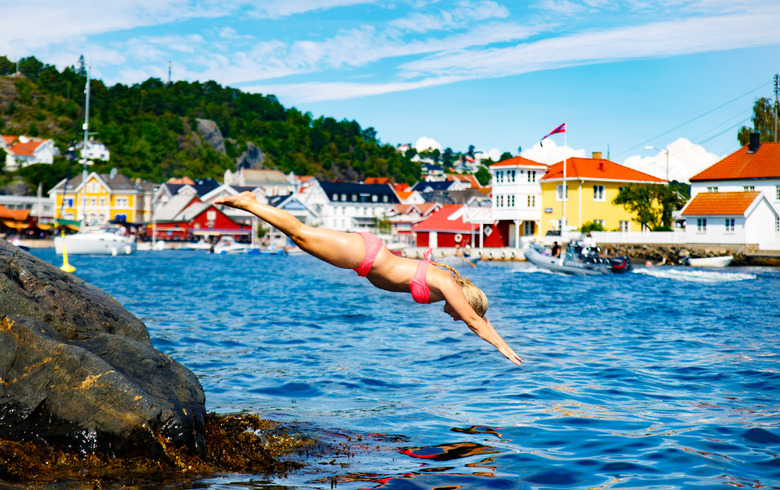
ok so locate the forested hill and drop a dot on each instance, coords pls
(151, 128)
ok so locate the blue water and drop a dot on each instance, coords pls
(660, 378)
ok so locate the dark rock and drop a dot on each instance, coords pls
(77, 369)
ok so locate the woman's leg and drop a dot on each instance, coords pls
(345, 250)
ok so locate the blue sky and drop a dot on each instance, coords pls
(678, 75)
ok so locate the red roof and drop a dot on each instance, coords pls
(467, 179)
(516, 161)
(720, 203)
(764, 163)
(597, 169)
(377, 180)
(25, 149)
(14, 214)
(440, 221)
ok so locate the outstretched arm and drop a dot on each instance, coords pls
(458, 307)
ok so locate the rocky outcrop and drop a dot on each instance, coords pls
(209, 131)
(253, 157)
(78, 370)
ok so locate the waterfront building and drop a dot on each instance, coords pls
(737, 200)
(185, 217)
(453, 225)
(273, 182)
(99, 199)
(352, 207)
(591, 185)
(517, 198)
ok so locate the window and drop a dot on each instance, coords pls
(777, 224)
(532, 176)
(375, 198)
(749, 188)
(102, 201)
(211, 215)
(384, 198)
(701, 224)
(730, 225)
(624, 226)
(531, 201)
(354, 197)
(511, 176)
(335, 197)
(559, 193)
(512, 200)
(598, 193)
(121, 202)
(343, 197)
(599, 222)
(712, 189)
(528, 228)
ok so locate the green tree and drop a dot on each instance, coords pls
(653, 204)
(483, 175)
(763, 122)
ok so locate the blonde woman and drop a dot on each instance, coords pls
(365, 253)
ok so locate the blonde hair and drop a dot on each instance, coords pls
(476, 298)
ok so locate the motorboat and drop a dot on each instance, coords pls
(576, 260)
(266, 251)
(105, 240)
(228, 245)
(722, 261)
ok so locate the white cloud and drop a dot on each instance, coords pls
(550, 153)
(425, 143)
(686, 159)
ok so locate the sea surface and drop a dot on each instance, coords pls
(664, 377)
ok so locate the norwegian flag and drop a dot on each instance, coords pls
(559, 129)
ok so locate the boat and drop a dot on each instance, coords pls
(266, 251)
(722, 261)
(456, 260)
(575, 261)
(228, 245)
(105, 240)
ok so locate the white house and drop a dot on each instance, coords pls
(352, 207)
(95, 150)
(23, 151)
(749, 210)
(517, 196)
(273, 182)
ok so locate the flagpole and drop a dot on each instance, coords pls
(565, 189)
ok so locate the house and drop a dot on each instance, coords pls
(352, 207)
(377, 181)
(448, 226)
(185, 217)
(592, 184)
(95, 150)
(403, 216)
(224, 190)
(182, 186)
(99, 199)
(517, 197)
(23, 151)
(468, 180)
(432, 171)
(739, 217)
(748, 212)
(273, 182)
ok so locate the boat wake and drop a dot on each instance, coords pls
(689, 275)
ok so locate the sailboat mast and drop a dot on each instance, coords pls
(84, 159)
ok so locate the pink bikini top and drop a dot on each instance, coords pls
(419, 285)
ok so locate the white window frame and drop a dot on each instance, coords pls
(598, 193)
(730, 222)
(625, 226)
(559, 193)
(701, 225)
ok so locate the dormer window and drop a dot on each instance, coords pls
(344, 197)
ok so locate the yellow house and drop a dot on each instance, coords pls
(104, 198)
(592, 185)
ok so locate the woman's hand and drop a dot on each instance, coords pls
(241, 201)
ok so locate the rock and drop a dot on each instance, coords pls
(209, 131)
(252, 158)
(78, 370)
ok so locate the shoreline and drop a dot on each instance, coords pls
(744, 255)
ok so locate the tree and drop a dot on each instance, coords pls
(653, 204)
(763, 122)
(483, 175)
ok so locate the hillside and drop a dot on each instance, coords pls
(157, 130)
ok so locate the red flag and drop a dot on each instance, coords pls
(559, 129)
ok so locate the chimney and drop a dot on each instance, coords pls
(597, 155)
(755, 142)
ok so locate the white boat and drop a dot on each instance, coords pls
(722, 261)
(107, 240)
(228, 245)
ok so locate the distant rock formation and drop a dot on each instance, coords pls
(79, 371)
(252, 158)
(209, 131)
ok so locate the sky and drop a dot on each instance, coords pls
(679, 76)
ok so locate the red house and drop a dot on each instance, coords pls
(184, 217)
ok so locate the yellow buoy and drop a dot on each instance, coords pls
(65, 265)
